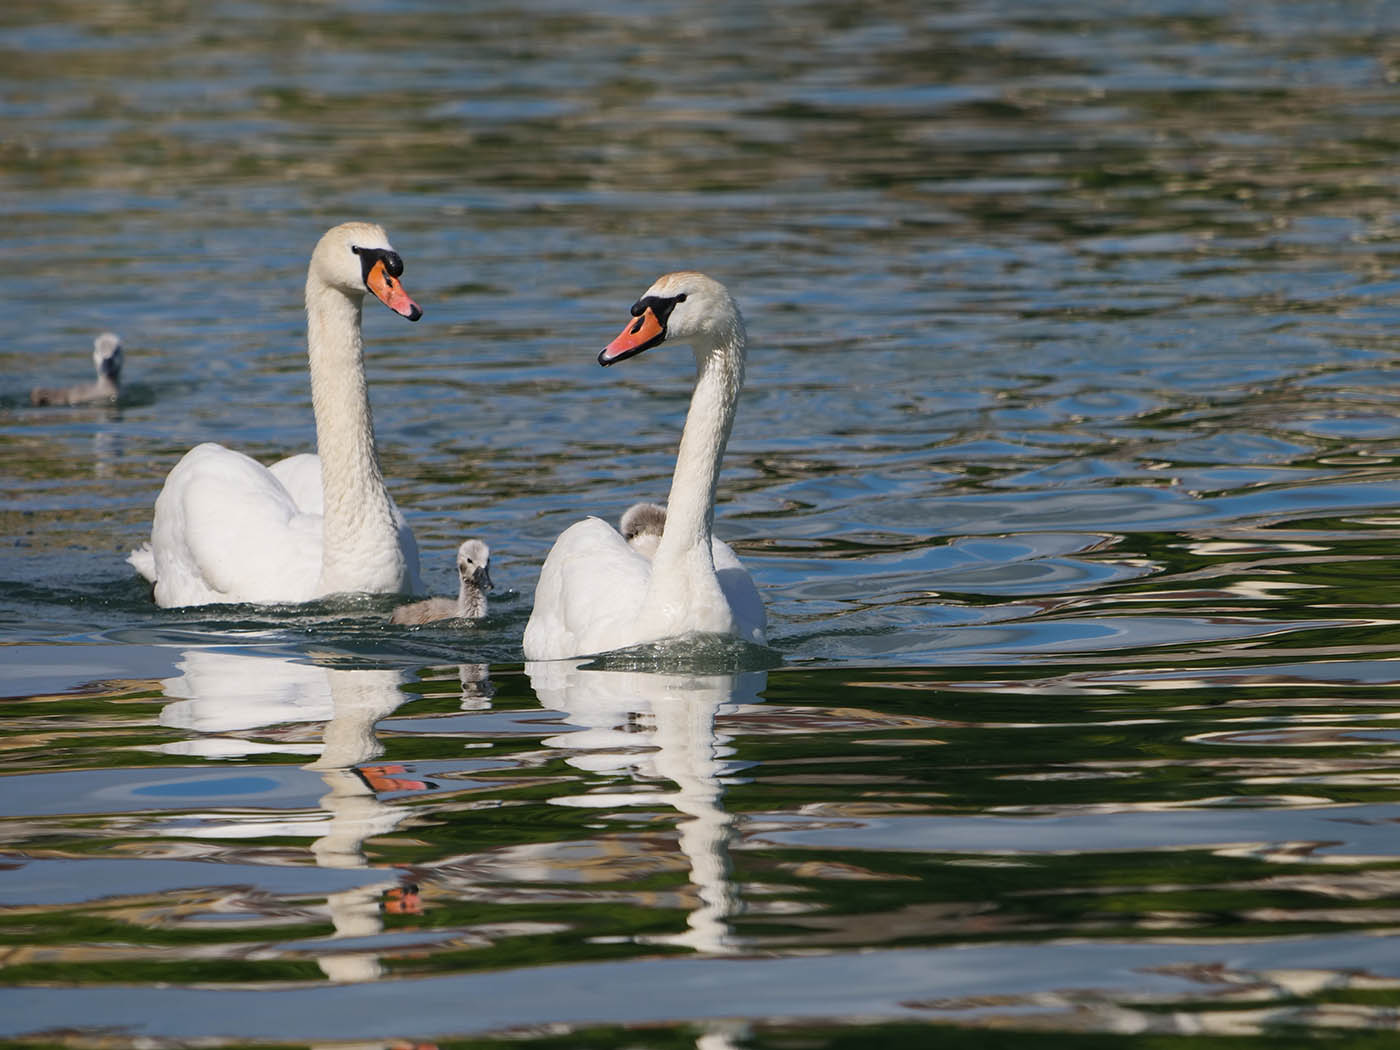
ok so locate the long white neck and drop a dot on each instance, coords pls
(683, 569)
(358, 526)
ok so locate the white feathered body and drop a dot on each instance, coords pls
(228, 529)
(596, 591)
(593, 596)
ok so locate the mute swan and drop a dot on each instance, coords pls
(596, 592)
(228, 529)
(641, 525)
(474, 570)
(107, 359)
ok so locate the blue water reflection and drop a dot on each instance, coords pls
(659, 729)
(1066, 464)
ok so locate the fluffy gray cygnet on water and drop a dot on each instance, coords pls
(107, 359)
(474, 569)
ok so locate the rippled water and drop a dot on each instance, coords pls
(1068, 466)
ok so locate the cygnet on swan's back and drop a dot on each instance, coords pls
(107, 359)
(474, 570)
(641, 526)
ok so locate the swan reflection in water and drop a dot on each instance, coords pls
(635, 728)
(223, 695)
(653, 727)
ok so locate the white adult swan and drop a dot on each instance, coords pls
(596, 592)
(228, 529)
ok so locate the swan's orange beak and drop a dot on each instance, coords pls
(390, 292)
(642, 333)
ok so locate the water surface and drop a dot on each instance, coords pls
(1067, 466)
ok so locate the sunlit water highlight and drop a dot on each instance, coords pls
(1067, 466)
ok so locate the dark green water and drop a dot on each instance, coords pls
(1068, 467)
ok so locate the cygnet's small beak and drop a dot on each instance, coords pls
(642, 333)
(390, 292)
(480, 578)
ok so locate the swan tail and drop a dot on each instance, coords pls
(143, 560)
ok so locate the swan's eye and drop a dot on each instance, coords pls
(660, 306)
(392, 260)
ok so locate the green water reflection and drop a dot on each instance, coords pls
(1066, 465)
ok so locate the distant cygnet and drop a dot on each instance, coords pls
(107, 358)
(641, 526)
(474, 568)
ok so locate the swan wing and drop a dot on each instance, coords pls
(226, 530)
(143, 560)
(409, 546)
(741, 593)
(300, 475)
(588, 595)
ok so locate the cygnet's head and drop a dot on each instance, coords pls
(682, 307)
(356, 257)
(474, 565)
(642, 519)
(107, 356)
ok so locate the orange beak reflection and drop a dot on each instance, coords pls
(390, 292)
(641, 333)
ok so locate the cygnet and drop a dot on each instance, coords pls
(641, 526)
(107, 359)
(474, 569)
